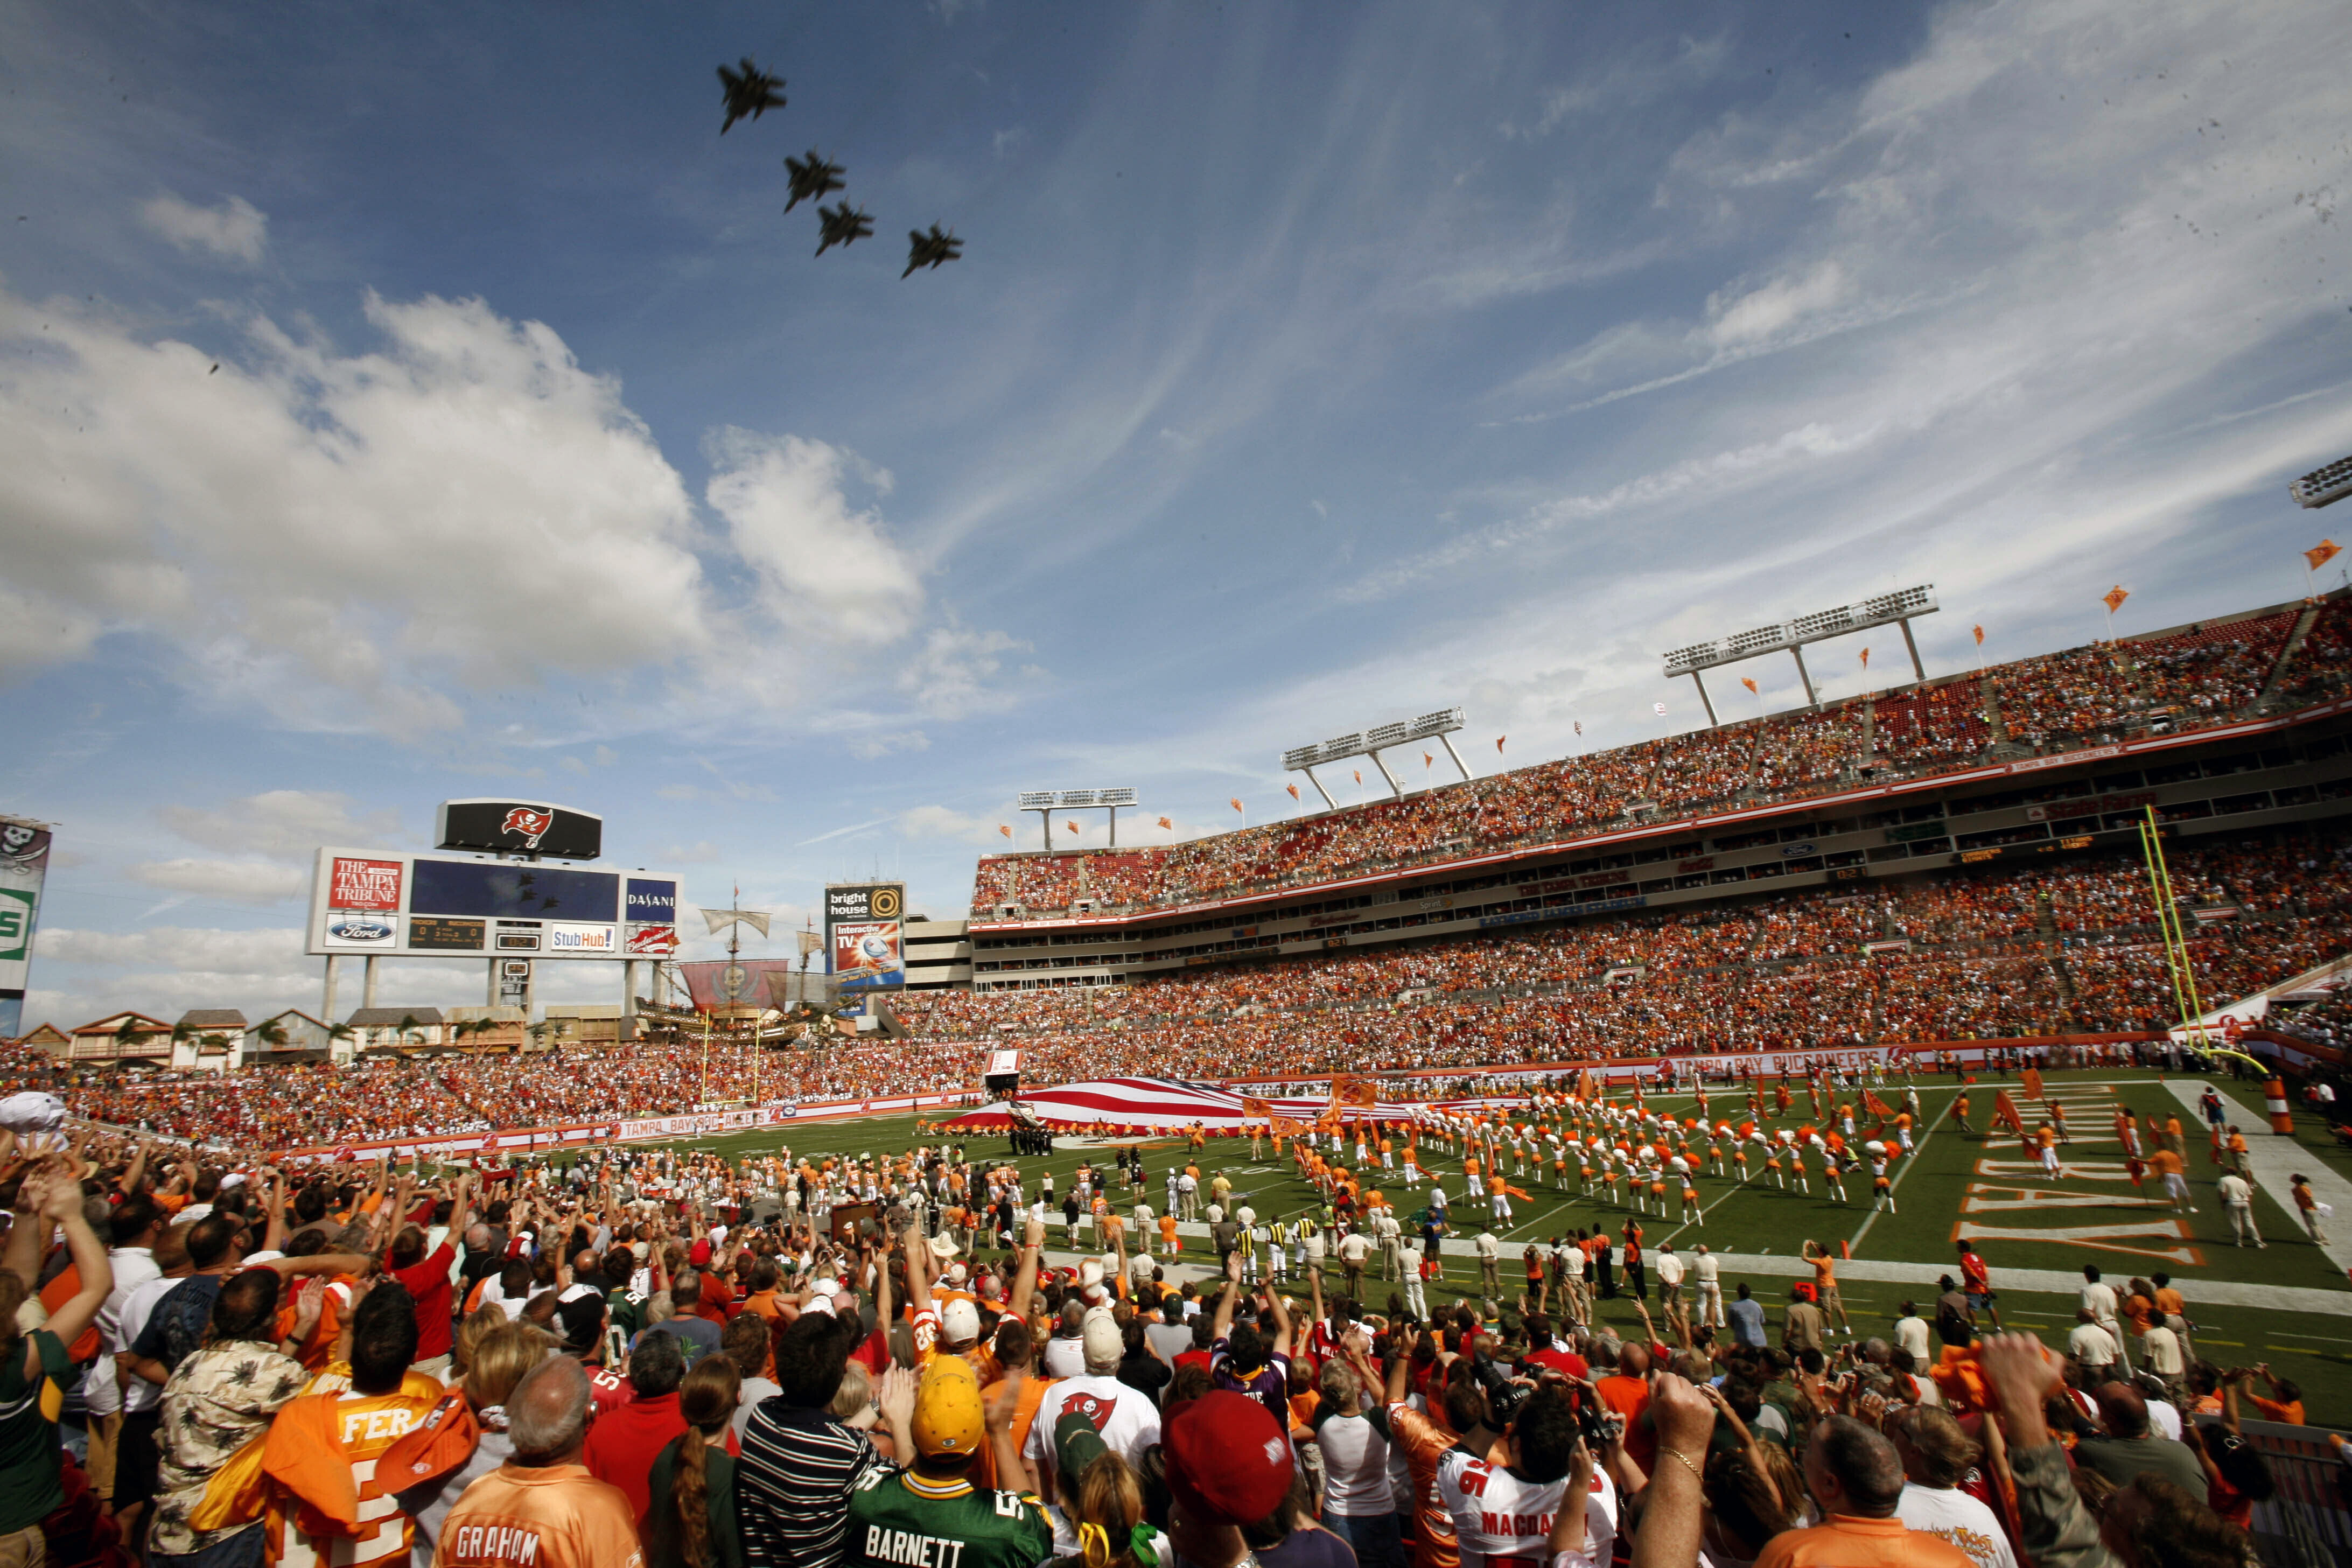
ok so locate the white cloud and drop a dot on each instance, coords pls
(890, 743)
(1736, 320)
(247, 881)
(337, 536)
(286, 824)
(822, 566)
(956, 827)
(949, 677)
(236, 230)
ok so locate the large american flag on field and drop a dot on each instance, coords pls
(1165, 1104)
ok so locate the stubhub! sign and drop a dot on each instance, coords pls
(652, 903)
(566, 937)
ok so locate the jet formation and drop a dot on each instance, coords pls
(749, 93)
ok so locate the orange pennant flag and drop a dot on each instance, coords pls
(1004, 830)
(1499, 744)
(2032, 1083)
(1235, 804)
(2113, 598)
(1163, 822)
(2321, 554)
(1255, 1108)
(1428, 759)
(1980, 636)
(2004, 1113)
(1359, 776)
(1071, 825)
(1293, 789)
(1865, 659)
(1745, 681)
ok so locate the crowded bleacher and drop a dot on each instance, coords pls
(2170, 683)
(1976, 952)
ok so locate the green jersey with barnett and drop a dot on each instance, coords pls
(901, 1520)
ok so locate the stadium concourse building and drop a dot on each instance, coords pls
(1994, 787)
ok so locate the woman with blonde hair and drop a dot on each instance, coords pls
(691, 1521)
(497, 1353)
(1109, 1515)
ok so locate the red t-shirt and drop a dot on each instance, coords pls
(1199, 1358)
(1568, 1363)
(624, 1443)
(429, 1282)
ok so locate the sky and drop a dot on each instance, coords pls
(417, 401)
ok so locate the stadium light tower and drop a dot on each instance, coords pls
(1885, 609)
(1438, 726)
(2323, 487)
(1046, 801)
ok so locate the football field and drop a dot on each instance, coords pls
(2289, 1303)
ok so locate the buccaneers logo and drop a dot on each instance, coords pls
(529, 821)
(1096, 1413)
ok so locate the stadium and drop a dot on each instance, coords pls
(1672, 975)
(1926, 891)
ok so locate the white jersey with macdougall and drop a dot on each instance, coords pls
(1499, 1518)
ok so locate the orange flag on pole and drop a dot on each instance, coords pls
(1498, 743)
(1293, 789)
(1071, 825)
(1236, 802)
(1751, 684)
(2113, 598)
(1004, 830)
(2321, 554)
(2004, 1113)
(2033, 1083)
(1865, 659)
(1980, 636)
(1163, 822)
(1428, 759)
(1255, 1108)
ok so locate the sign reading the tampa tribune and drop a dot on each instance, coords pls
(864, 936)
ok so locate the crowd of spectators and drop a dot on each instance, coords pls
(655, 1360)
(1975, 952)
(2083, 696)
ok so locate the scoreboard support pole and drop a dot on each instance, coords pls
(327, 997)
(367, 981)
(628, 1000)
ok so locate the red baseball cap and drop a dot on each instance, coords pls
(1229, 1460)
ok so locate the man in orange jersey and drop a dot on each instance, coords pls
(325, 1503)
(541, 1508)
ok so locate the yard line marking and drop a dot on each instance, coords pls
(1908, 1166)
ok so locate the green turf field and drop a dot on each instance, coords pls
(2093, 1214)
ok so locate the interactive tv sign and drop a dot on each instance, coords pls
(436, 906)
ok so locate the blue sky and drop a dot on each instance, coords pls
(1307, 367)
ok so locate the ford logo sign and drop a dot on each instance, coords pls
(360, 928)
(1794, 849)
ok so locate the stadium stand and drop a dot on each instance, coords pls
(2171, 682)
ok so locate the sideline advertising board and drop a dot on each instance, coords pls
(864, 936)
(439, 906)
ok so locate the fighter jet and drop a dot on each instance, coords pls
(843, 224)
(934, 249)
(812, 178)
(750, 92)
